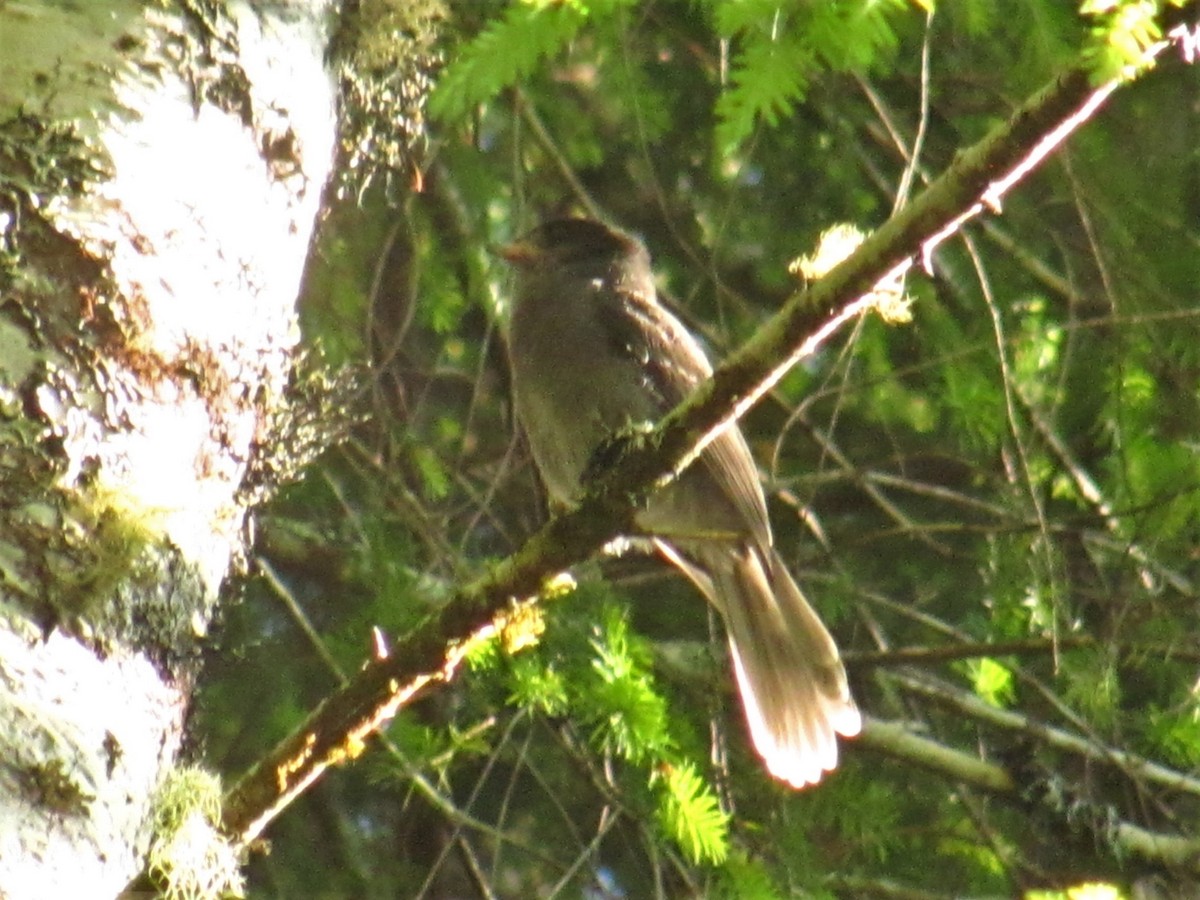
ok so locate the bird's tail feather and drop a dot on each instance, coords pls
(792, 681)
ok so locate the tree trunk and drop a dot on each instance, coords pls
(160, 176)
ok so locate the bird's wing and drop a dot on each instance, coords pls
(673, 364)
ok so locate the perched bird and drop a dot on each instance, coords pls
(593, 352)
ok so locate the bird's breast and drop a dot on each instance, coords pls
(572, 389)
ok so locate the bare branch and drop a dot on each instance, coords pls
(1155, 848)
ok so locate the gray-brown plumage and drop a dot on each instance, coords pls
(592, 351)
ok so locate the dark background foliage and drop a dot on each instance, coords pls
(1014, 471)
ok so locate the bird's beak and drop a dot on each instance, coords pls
(519, 253)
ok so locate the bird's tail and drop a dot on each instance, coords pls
(792, 681)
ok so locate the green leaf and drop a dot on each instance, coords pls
(1123, 33)
(630, 715)
(1178, 733)
(743, 878)
(691, 814)
(769, 78)
(781, 48)
(537, 686)
(434, 476)
(992, 681)
(1092, 685)
(503, 54)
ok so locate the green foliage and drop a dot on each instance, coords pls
(1123, 31)
(769, 80)
(434, 477)
(376, 557)
(443, 302)
(1087, 891)
(691, 815)
(1092, 684)
(505, 52)
(970, 850)
(976, 18)
(420, 744)
(975, 405)
(895, 400)
(863, 812)
(616, 697)
(629, 717)
(1177, 733)
(538, 686)
(1163, 474)
(1037, 353)
(992, 681)
(742, 878)
(780, 48)
(484, 655)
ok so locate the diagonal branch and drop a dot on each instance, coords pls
(965, 704)
(1159, 850)
(336, 731)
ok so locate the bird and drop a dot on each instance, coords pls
(593, 353)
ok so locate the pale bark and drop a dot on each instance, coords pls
(147, 330)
